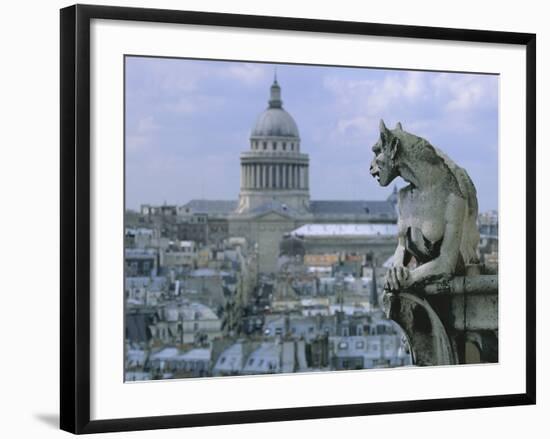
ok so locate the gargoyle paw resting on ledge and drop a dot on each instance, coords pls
(437, 209)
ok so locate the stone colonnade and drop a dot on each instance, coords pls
(274, 176)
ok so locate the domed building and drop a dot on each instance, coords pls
(274, 199)
(273, 170)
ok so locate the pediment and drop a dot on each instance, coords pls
(273, 216)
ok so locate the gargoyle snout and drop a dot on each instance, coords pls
(374, 170)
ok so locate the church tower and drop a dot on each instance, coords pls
(273, 170)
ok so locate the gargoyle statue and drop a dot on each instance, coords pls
(437, 210)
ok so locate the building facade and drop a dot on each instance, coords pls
(274, 201)
(274, 197)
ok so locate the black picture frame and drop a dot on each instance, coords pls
(75, 217)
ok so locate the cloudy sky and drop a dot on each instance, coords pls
(187, 122)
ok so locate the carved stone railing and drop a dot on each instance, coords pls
(450, 321)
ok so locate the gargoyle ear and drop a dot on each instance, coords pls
(394, 147)
(383, 128)
(399, 126)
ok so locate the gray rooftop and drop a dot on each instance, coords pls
(353, 207)
(376, 208)
(274, 206)
(212, 207)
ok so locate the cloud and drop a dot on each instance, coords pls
(140, 137)
(136, 142)
(185, 117)
(428, 103)
(248, 74)
(147, 125)
(465, 93)
(187, 76)
(356, 127)
(375, 96)
(360, 103)
(191, 103)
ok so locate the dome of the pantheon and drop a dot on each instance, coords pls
(275, 121)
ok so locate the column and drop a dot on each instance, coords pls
(296, 182)
(290, 182)
(277, 177)
(242, 176)
(252, 177)
(283, 178)
(262, 173)
(307, 176)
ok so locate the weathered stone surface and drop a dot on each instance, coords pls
(435, 289)
(437, 210)
(426, 334)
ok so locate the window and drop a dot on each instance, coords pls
(359, 345)
(251, 362)
(274, 146)
(222, 360)
(265, 145)
(342, 345)
(284, 146)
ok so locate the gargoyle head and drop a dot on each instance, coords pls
(383, 166)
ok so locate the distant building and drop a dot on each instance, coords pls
(488, 243)
(180, 254)
(194, 362)
(488, 223)
(274, 197)
(140, 262)
(139, 237)
(232, 357)
(362, 345)
(367, 352)
(245, 357)
(298, 273)
(205, 285)
(144, 290)
(184, 323)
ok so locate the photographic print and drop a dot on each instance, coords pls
(287, 218)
